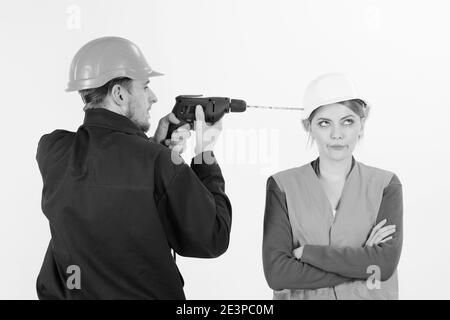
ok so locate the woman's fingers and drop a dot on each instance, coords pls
(378, 226)
(383, 233)
(382, 236)
(379, 233)
(384, 229)
(387, 239)
(369, 241)
(298, 252)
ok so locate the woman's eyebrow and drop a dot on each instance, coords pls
(345, 117)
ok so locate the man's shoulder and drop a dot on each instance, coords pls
(57, 136)
(55, 143)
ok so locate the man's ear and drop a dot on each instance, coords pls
(119, 95)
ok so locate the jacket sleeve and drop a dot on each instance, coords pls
(57, 143)
(282, 270)
(193, 206)
(354, 261)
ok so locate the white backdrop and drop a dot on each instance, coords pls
(264, 52)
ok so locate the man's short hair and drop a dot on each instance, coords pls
(94, 98)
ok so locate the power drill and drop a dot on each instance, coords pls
(214, 109)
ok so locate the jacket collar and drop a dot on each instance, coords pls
(316, 167)
(101, 117)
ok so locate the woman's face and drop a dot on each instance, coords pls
(336, 130)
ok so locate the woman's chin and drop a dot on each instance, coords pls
(339, 155)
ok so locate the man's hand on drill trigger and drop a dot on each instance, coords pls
(179, 137)
(206, 134)
(178, 141)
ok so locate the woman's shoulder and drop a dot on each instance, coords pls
(292, 172)
(292, 176)
(378, 173)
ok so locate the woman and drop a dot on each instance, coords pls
(333, 227)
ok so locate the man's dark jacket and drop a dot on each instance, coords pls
(117, 204)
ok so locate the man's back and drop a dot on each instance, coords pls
(117, 204)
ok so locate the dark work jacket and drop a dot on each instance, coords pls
(117, 204)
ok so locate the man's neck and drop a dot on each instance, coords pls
(114, 108)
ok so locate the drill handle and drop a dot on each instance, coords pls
(184, 110)
(173, 127)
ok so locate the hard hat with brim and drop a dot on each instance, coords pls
(107, 58)
(328, 89)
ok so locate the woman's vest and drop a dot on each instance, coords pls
(312, 222)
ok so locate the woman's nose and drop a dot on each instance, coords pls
(336, 133)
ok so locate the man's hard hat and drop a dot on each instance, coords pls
(104, 59)
(327, 89)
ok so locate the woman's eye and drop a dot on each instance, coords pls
(348, 122)
(323, 124)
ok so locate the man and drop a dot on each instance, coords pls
(117, 202)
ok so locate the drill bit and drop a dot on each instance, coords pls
(276, 108)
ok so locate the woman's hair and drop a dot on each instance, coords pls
(358, 106)
(93, 98)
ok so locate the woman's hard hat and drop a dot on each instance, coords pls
(327, 89)
(104, 59)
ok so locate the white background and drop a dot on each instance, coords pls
(265, 52)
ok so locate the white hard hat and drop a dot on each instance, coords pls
(327, 89)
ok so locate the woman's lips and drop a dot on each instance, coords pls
(337, 147)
